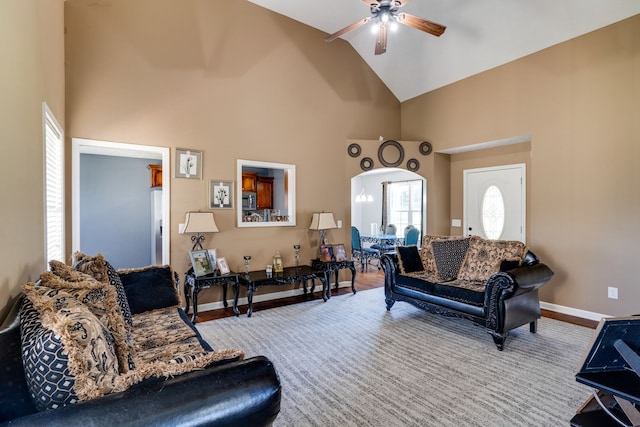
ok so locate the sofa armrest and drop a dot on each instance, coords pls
(245, 392)
(530, 277)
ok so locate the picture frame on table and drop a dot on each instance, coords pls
(326, 253)
(201, 263)
(223, 266)
(220, 194)
(213, 257)
(339, 252)
(188, 164)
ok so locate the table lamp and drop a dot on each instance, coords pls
(199, 222)
(322, 221)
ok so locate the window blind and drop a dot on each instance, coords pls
(54, 187)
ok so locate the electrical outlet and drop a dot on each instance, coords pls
(612, 292)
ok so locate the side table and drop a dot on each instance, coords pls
(193, 285)
(289, 275)
(332, 267)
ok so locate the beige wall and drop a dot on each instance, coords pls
(31, 71)
(236, 81)
(579, 102)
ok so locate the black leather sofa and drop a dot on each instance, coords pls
(508, 299)
(228, 393)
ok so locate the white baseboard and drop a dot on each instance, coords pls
(573, 311)
(266, 297)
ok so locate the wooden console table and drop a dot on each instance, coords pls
(290, 275)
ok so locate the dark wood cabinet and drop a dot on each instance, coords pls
(264, 190)
(249, 182)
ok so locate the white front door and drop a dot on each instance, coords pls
(495, 202)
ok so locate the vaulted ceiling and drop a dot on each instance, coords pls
(480, 34)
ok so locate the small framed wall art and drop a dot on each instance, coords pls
(220, 194)
(188, 164)
(223, 266)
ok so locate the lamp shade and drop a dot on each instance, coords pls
(322, 221)
(200, 222)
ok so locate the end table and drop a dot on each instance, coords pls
(194, 284)
(334, 267)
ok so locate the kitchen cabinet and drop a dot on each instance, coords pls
(249, 184)
(264, 190)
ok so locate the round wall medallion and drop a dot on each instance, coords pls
(354, 150)
(425, 148)
(366, 164)
(390, 153)
(413, 165)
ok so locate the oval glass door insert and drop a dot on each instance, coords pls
(493, 213)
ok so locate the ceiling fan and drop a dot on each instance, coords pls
(386, 13)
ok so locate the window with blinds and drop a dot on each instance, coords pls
(54, 186)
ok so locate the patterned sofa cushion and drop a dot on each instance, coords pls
(466, 291)
(68, 354)
(101, 299)
(484, 257)
(101, 270)
(448, 255)
(150, 288)
(409, 259)
(426, 251)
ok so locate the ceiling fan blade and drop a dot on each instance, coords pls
(381, 40)
(422, 24)
(346, 29)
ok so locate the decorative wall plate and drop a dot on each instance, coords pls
(413, 165)
(354, 150)
(390, 153)
(366, 164)
(425, 148)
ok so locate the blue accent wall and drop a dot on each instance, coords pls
(115, 209)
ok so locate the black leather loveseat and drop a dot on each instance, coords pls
(493, 283)
(228, 392)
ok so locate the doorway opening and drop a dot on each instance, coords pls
(157, 224)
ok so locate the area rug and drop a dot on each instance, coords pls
(350, 362)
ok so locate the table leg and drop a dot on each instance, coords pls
(224, 295)
(186, 297)
(313, 286)
(337, 271)
(194, 318)
(236, 291)
(326, 286)
(250, 290)
(353, 278)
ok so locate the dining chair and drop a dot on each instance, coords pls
(411, 236)
(385, 247)
(360, 253)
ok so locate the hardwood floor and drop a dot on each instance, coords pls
(367, 280)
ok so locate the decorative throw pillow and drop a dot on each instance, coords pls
(426, 253)
(101, 300)
(409, 259)
(485, 256)
(68, 354)
(101, 270)
(149, 288)
(449, 255)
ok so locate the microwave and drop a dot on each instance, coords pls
(248, 201)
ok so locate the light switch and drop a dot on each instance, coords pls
(339, 223)
(456, 223)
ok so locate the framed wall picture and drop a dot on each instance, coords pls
(188, 164)
(326, 253)
(220, 194)
(223, 266)
(339, 252)
(201, 263)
